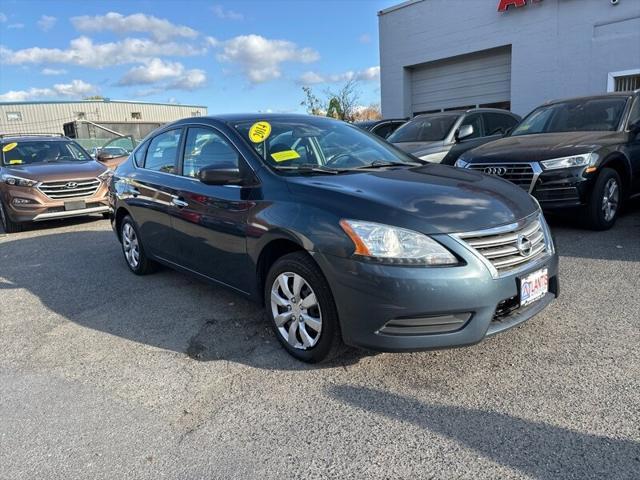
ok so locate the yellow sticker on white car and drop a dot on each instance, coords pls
(285, 155)
(259, 132)
(9, 146)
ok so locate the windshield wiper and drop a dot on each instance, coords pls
(382, 164)
(310, 169)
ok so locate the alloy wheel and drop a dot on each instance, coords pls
(296, 311)
(130, 245)
(610, 199)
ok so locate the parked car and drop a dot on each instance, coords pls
(342, 236)
(115, 151)
(45, 177)
(382, 128)
(579, 153)
(110, 151)
(443, 137)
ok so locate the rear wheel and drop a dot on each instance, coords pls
(301, 309)
(8, 225)
(136, 259)
(604, 204)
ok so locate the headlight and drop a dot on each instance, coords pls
(434, 157)
(396, 245)
(18, 181)
(106, 175)
(568, 162)
(460, 163)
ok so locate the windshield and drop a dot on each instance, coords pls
(319, 143)
(27, 153)
(597, 114)
(424, 129)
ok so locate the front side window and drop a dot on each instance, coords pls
(583, 115)
(498, 123)
(205, 147)
(27, 153)
(163, 152)
(319, 142)
(431, 128)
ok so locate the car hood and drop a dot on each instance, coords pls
(413, 147)
(48, 172)
(533, 148)
(429, 199)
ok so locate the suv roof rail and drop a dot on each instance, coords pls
(24, 134)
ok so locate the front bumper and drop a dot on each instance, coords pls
(44, 208)
(563, 188)
(454, 306)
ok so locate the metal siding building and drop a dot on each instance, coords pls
(446, 54)
(48, 117)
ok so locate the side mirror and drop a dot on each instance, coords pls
(221, 175)
(103, 156)
(465, 131)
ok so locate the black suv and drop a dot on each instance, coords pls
(577, 153)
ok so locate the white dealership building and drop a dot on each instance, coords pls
(447, 54)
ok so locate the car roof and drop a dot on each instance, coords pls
(626, 94)
(462, 112)
(8, 138)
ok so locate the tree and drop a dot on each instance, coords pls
(312, 103)
(341, 104)
(371, 112)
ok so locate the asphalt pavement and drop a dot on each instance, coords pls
(105, 375)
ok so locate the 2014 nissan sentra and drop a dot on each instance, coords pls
(344, 237)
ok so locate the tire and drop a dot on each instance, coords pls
(132, 249)
(7, 224)
(317, 338)
(605, 200)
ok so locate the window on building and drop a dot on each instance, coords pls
(195, 113)
(136, 115)
(14, 116)
(624, 81)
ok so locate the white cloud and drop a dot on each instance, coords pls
(364, 38)
(82, 51)
(46, 22)
(159, 28)
(261, 58)
(170, 75)
(220, 12)
(3, 17)
(77, 88)
(371, 74)
(16, 26)
(53, 71)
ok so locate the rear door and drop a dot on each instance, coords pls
(151, 191)
(210, 221)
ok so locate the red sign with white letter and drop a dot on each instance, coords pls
(505, 4)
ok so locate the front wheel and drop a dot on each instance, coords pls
(7, 224)
(136, 259)
(604, 203)
(301, 309)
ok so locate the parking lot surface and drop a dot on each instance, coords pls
(107, 375)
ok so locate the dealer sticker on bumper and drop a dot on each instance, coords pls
(533, 287)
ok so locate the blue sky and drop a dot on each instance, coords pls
(233, 56)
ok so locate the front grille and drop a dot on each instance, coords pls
(509, 248)
(70, 188)
(557, 194)
(522, 174)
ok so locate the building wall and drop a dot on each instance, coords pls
(48, 117)
(560, 48)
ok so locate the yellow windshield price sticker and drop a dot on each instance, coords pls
(15, 162)
(259, 132)
(9, 146)
(285, 155)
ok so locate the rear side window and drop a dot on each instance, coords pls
(206, 147)
(163, 152)
(138, 156)
(383, 130)
(498, 123)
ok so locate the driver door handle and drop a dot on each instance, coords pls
(177, 202)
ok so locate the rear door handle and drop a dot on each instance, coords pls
(176, 202)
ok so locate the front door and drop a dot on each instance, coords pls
(210, 221)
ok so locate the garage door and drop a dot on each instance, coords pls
(481, 78)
